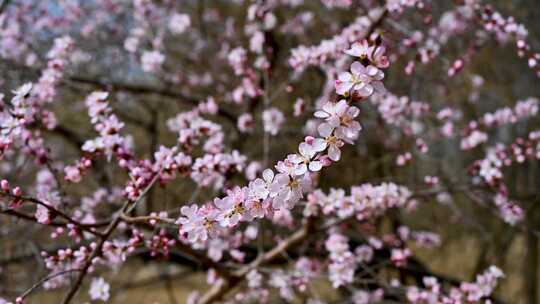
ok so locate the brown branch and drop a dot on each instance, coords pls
(377, 23)
(54, 211)
(205, 260)
(141, 89)
(146, 219)
(531, 261)
(30, 218)
(108, 232)
(131, 88)
(185, 249)
(219, 290)
(69, 135)
(110, 229)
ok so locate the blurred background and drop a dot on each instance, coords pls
(196, 68)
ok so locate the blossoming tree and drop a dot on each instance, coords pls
(280, 146)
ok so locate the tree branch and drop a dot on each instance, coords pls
(219, 290)
(140, 89)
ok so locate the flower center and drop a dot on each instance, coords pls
(332, 140)
(293, 184)
(208, 224)
(345, 120)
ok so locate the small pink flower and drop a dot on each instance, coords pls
(299, 107)
(17, 191)
(178, 23)
(197, 223)
(245, 123)
(99, 290)
(287, 189)
(4, 184)
(151, 61)
(373, 53)
(273, 119)
(339, 122)
(72, 174)
(361, 82)
(400, 256)
(231, 208)
(309, 149)
(42, 215)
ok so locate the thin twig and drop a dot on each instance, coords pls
(45, 279)
(128, 205)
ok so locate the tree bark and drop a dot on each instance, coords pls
(530, 265)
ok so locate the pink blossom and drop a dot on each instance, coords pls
(273, 119)
(309, 149)
(288, 186)
(339, 127)
(245, 123)
(99, 290)
(256, 42)
(361, 82)
(151, 61)
(237, 58)
(337, 3)
(73, 174)
(373, 53)
(230, 208)
(299, 107)
(42, 215)
(400, 256)
(178, 23)
(197, 223)
(341, 269)
(474, 139)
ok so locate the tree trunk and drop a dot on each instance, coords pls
(531, 264)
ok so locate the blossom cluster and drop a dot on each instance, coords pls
(304, 56)
(429, 45)
(500, 156)
(365, 201)
(281, 190)
(337, 3)
(401, 111)
(114, 253)
(473, 292)
(490, 170)
(109, 142)
(27, 106)
(342, 261)
(398, 6)
(305, 270)
(45, 88)
(508, 29)
(473, 134)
